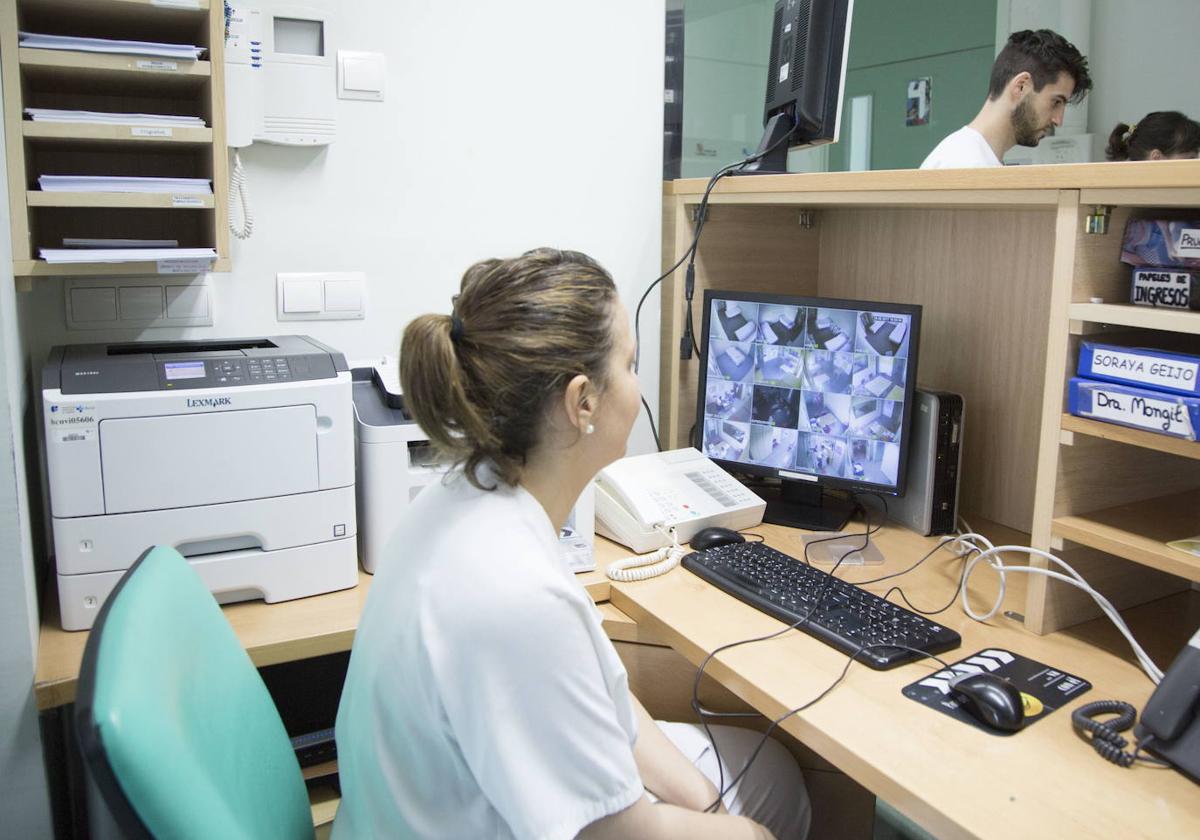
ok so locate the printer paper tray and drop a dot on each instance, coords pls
(241, 576)
(89, 544)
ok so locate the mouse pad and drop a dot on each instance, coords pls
(1043, 688)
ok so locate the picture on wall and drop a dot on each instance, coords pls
(919, 101)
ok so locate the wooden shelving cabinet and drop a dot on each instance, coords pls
(114, 83)
(1000, 262)
(1109, 498)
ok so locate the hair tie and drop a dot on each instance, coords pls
(1129, 133)
(456, 329)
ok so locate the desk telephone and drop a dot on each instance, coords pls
(1170, 724)
(680, 489)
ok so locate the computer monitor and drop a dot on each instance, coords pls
(815, 391)
(806, 76)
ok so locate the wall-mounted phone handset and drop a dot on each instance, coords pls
(243, 101)
(1170, 724)
(280, 82)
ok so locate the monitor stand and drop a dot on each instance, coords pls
(774, 138)
(797, 504)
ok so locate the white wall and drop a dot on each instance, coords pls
(1143, 59)
(1142, 56)
(26, 799)
(505, 127)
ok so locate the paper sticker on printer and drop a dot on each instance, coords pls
(72, 423)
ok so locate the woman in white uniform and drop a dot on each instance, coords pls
(483, 698)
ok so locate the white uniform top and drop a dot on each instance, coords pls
(483, 697)
(964, 149)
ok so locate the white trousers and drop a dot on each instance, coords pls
(772, 791)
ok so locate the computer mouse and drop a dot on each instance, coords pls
(990, 699)
(712, 537)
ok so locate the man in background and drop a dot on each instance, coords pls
(1033, 79)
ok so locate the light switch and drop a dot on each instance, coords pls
(187, 302)
(321, 296)
(141, 303)
(89, 305)
(343, 295)
(361, 75)
(301, 296)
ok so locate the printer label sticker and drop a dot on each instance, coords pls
(72, 423)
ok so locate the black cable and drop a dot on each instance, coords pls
(818, 600)
(653, 430)
(690, 256)
(775, 723)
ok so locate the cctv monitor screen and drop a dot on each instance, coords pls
(809, 389)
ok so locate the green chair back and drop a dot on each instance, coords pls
(174, 721)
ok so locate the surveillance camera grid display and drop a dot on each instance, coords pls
(809, 389)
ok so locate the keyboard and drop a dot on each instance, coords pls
(839, 613)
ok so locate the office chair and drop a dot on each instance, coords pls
(174, 722)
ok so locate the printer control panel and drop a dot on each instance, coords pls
(251, 370)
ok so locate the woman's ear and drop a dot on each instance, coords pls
(1155, 154)
(579, 402)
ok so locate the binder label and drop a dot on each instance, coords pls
(158, 66)
(186, 201)
(144, 131)
(1142, 412)
(1149, 370)
(1188, 243)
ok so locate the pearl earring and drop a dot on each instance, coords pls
(590, 428)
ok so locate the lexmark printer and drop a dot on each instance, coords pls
(238, 453)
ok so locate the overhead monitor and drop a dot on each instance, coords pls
(806, 75)
(815, 391)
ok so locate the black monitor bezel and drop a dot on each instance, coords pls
(910, 386)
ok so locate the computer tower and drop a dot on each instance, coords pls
(929, 505)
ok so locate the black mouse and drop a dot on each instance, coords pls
(712, 537)
(990, 699)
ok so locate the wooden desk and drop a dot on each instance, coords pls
(954, 780)
(271, 633)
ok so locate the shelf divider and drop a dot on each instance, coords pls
(1139, 531)
(1133, 437)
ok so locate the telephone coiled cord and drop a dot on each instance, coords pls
(646, 566)
(1106, 736)
(237, 187)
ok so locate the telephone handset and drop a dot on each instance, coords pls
(1170, 724)
(680, 489)
(244, 39)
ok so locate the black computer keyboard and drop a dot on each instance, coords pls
(838, 613)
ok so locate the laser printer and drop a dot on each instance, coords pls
(238, 453)
(396, 461)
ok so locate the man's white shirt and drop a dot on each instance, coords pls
(964, 149)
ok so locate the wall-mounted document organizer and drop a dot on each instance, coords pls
(113, 89)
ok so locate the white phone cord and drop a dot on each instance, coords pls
(237, 187)
(646, 566)
(1073, 578)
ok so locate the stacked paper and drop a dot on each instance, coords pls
(105, 118)
(118, 183)
(186, 52)
(119, 255)
(79, 242)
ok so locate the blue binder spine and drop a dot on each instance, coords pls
(1175, 373)
(1138, 408)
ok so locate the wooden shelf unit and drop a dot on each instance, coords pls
(1109, 498)
(69, 80)
(999, 261)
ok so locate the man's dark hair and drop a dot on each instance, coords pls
(1044, 54)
